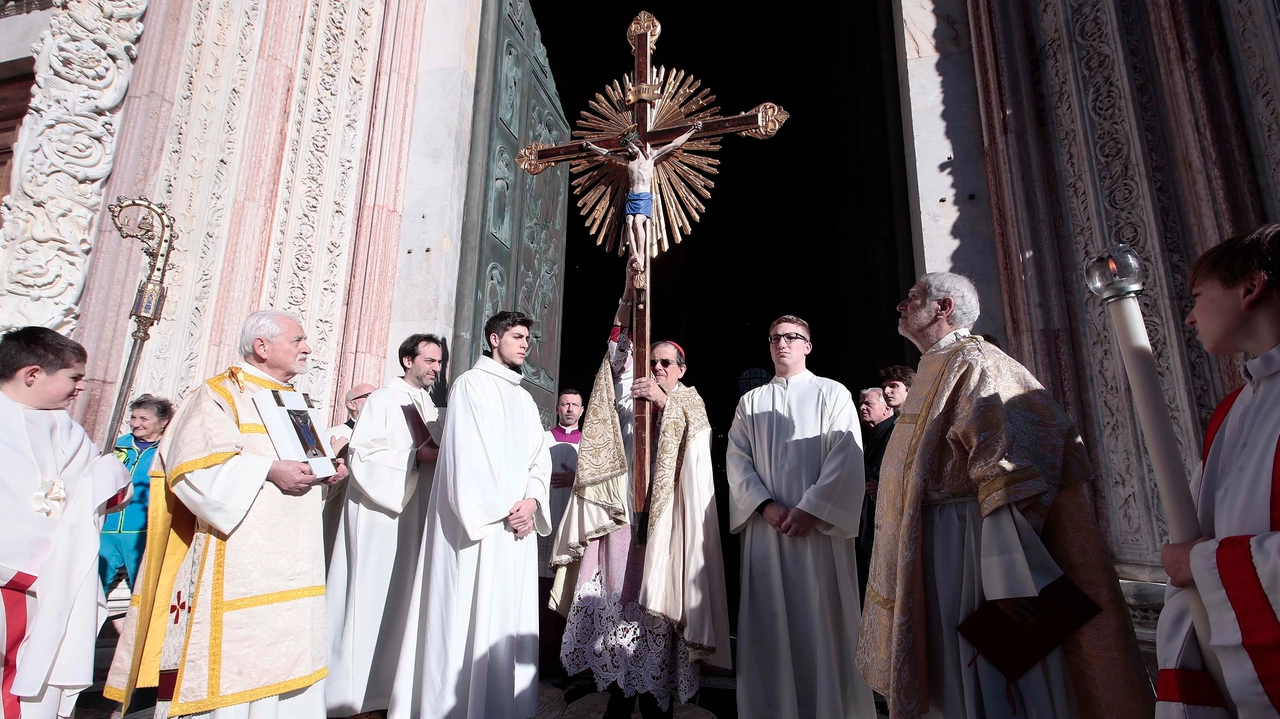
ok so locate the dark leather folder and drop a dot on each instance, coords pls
(1012, 646)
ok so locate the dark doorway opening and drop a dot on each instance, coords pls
(812, 222)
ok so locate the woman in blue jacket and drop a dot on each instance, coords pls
(124, 533)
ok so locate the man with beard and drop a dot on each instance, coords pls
(228, 615)
(471, 647)
(984, 498)
(392, 457)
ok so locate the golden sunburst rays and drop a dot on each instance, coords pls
(681, 180)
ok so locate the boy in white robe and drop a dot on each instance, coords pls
(1236, 565)
(472, 648)
(54, 491)
(796, 481)
(392, 460)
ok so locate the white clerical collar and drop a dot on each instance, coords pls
(250, 369)
(1264, 365)
(950, 339)
(788, 381)
(497, 369)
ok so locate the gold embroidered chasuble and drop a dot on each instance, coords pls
(978, 426)
(244, 612)
(680, 576)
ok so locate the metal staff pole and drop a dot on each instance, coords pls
(149, 302)
(1116, 277)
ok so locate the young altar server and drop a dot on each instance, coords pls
(54, 492)
(1236, 565)
(370, 583)
(796, 482)
(472, 650)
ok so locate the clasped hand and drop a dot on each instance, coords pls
(520, 518)
(793, 522)
(296, 478)
(1176, 559)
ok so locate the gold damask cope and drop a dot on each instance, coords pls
(975, 424)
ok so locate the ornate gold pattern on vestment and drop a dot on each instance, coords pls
(684, 416)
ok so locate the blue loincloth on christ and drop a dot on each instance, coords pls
(640, 203)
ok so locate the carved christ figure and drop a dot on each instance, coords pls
(640, 159)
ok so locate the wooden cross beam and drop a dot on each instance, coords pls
(677, 104)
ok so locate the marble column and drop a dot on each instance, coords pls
(946, 172)
(104, 326)
(1095, 118)
(435, 184)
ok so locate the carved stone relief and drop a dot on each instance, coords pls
(501, 197)
(316, 198)
(521, 242)
(1114, 188)
(509, 105)
(63, 155)
(1255, 39)
(197, 181)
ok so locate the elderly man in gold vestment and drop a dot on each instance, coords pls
(984, 497)
(228, 615)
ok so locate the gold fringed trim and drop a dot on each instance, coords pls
(879, 600)
(1003, 482)
(244, 697)
(193, 465)
(114, 694)
(253, 429)
(262, 600)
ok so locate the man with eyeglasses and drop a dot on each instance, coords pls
(375, 557)
(642, 616)
(796, 482)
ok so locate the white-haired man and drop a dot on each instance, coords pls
(983, 497)
(228, 615)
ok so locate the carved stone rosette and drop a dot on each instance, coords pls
(64, 153)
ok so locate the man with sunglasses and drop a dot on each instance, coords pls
(796, 484)
(642, 614)
(370, 581)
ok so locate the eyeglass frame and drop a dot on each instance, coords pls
(666, 363)
(794, 336)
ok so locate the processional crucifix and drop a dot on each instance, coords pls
(629, 191)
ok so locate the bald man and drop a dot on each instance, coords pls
(339, 436)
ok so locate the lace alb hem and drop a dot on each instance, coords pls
(643, 653)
